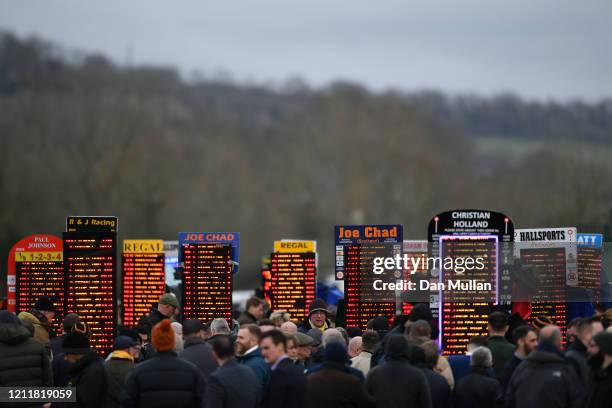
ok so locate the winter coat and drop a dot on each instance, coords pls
(501, 351)
(41, 329)
(198, 352)
(256, 362)
(152, 319)
(362, 362)
(232, 386)
(544, 379)
(601, 391)
(117, 367)
(398, 384)
(163, 381)
(478, 389)
(23, 360)
(439, 388)
(89, 378)
(246, 318)
(333, 387)
(287, 388)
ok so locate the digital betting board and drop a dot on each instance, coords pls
(356, 246)
(590, 254)
(478, 234)
(36, 269)
(143, 278)
(266, 278)
(207, 281)
(415, 249)
(90, 271)
(293, 277)
(551, 255)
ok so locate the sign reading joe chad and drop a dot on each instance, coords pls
(356, 246)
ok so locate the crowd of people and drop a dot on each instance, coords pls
(269, 361)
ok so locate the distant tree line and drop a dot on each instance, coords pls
(80, 135)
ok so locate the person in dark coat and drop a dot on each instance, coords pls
(577, 352)
(288, 387)
(317, 317)
(87, 372)
(333, 387)
(501, 349)
(23, 361)
(397, 383)
(166, 309)
(426, 358)
(67, 323)
(232, 385)
(526, 341)
(164, 380)
(601, 391)
(545, 378)
(119, 366)
(460, 363)
(478, 388)
(195, 348)
(249, 354)
(253, 312)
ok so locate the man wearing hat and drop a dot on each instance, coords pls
(41, 317)
(305, 347)
(118, 367)
(87, 372)
(164, 380)
(317, 317)
(601, 392)
(195, 347)
(166, 309)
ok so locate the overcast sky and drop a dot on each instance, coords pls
(539, 49)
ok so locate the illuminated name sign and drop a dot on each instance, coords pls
(77, 223)
(143, 246)
(229, 238)
(288, 246)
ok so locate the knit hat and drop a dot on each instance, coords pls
(336, 353)
(168, 299)
(8, 317)
(44, 303)
(541, 321)
(192, 326)
(162, 336)
(317, 305)
(77, 341)
(124, 342)
(397, 348)
(604, 341)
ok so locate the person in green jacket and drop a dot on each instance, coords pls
(118, 367)
(501, 349)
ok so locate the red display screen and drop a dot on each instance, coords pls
(89, 265)
(589, 269)
(207, 281)
(40, 278)
(143, 284)
(293, 282)
(550, 265)
(362, 301)
(465, 314)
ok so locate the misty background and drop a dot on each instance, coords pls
(281, 120)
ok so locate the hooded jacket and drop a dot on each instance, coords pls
(41, 330)
(544, 379)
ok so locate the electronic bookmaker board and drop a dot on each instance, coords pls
(209, 261)
(356, 246)
(36, 269)
(143, 278)
(293, 276)
(483, 234)
(90, 254)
